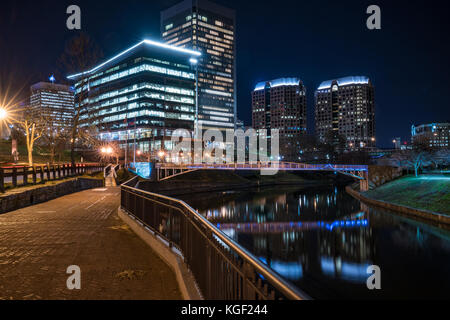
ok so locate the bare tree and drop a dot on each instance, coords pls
(420, 156)
(56, 138)
(33, 127)
(80, 54)
(441, 158)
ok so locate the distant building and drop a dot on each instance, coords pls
(281, 104)
(144, 93)
(53, 102)
(240, 125)
(437, 135)
(346, 107)
(209, 28)
(397, 143)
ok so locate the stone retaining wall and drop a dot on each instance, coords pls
(425, 214)
(20, 198)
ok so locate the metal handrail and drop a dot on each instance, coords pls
(285, 288)
(272, 165)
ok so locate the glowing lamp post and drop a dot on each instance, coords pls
(107, 152)
(3, 114)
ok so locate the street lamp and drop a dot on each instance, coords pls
(3, 114)
(194, 62)
(107, 150)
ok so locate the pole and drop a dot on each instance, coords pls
(134, 144)
(196, 98)
(126, 144)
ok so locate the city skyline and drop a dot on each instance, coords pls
(216, 157)
(407, 79)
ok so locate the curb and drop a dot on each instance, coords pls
(425, 214)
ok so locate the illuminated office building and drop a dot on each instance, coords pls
(144, 93)
(346, 107)
(281, 104)
(53, 102)
(210, 29)
(437, 135)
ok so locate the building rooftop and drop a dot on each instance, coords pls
(50, 86)
(187, 5)
(147, 42)
(278, 83)
(344, 81)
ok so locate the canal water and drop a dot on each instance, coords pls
(323, 240)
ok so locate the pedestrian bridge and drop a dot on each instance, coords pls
(166, 171)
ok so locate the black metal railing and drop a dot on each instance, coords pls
(222, 268)
(15, 176)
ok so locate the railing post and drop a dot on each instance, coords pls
(14, 177)
(25, 176)
(42, 174)
(34, 175)
(2, 180)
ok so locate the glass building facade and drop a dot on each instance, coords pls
(346, 107)
(143, 94)
(210, 29)
(54, 102)
(281, 104)
(437, 135)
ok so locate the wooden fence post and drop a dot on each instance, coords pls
(2, 180)
(14, 177)
(25, 176)
(42, 174)
(34, 174)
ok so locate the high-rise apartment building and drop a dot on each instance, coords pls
(53, 102)
(209, 28)
(281, 104)
(437, 135)
(142, 94)
(346, 107)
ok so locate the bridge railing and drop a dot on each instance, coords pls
(262, 165)
(223, 269)
(14, 176)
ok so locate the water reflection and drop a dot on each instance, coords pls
(323, 241)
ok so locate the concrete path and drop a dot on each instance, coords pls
(39, 243)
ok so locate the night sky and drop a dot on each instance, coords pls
(408, 60)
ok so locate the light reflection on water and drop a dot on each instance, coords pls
(323, 241)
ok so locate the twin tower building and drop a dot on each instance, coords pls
(344, 111)
(144, 93)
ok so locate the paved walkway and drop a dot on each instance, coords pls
(39, 243)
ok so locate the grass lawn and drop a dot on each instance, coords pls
(429, 192)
